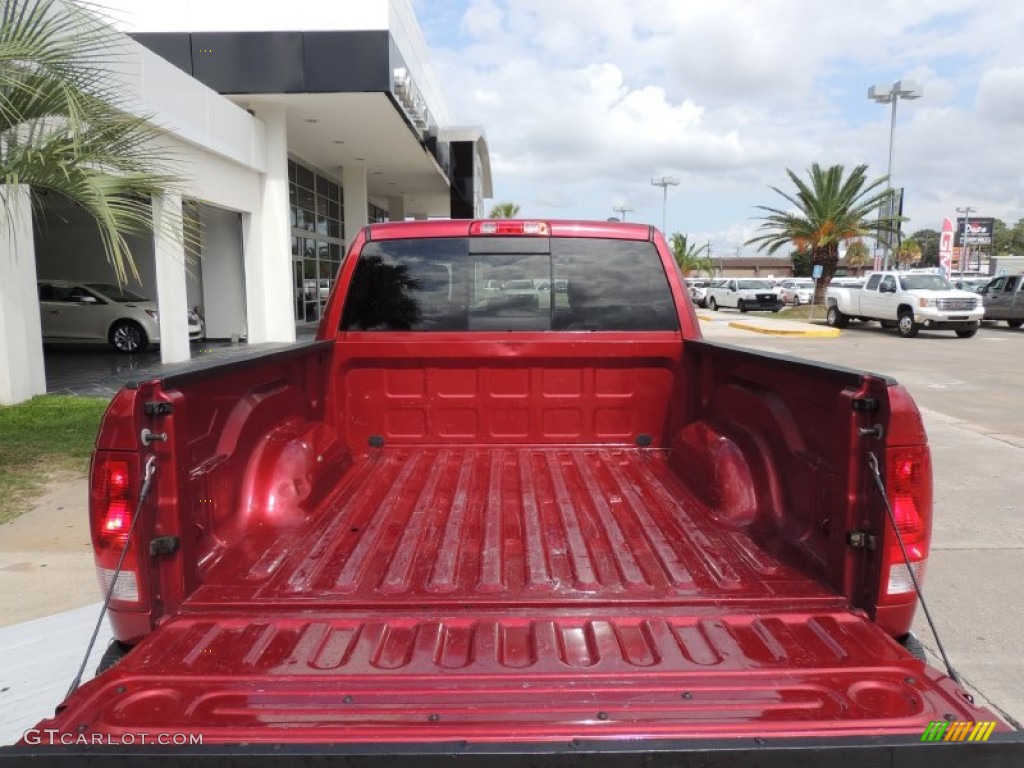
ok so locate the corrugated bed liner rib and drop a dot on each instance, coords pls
(505, 526)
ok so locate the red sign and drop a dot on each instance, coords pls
(946, 247)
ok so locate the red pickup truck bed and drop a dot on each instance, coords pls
(470, 521)
(503, 592)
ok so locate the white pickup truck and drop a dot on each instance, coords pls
(908, 302)
(745, 294)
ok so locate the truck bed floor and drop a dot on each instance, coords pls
(416, 526)
(500, 595)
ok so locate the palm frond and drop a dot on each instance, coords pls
(828, 207)
(65, 125)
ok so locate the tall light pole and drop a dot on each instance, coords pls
(622, 210)
(891, 94)
(964, 250)
(664, 182)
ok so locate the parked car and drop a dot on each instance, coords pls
(698, 288)
(797, 290)
(1003, 300)
(89, 312)
(745, 294)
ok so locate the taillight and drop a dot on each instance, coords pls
(908, 483)
(508, 227)
(112, 498)
(114, 503)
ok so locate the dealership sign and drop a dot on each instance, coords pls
(979, 231)
(946, 247)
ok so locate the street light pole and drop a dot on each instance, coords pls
(622, 210)
(964, 251)
(883, 94)
(664, 182)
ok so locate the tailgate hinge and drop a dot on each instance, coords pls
(861, 540)
(163, 545)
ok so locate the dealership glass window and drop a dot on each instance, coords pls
(375, 214)
(317, 213)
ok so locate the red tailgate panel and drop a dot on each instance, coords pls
(518, 676)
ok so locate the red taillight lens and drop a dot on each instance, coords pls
(507, 227)
(113, 511)
(909, 487)
(112, 499)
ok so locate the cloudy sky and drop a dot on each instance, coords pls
(584, 101)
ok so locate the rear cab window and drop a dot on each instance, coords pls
(509, 284)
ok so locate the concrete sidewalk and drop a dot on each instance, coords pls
(41, 658)
(725, 324)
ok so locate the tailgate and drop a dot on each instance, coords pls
(521, 675)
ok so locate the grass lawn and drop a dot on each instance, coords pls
(802, 312)
(46, 435)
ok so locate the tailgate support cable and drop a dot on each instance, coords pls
(873, 463)
(146, 482)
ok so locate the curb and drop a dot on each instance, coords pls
(818, 333)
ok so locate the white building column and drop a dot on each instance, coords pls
(21, 345)
(171, 286)
(396, 208)
(353, 180)
(266, 238)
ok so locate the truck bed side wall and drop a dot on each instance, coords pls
(772, 444)
(246, 446)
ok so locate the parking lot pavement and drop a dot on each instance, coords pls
(969, 393)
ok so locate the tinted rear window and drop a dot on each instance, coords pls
(445, 284)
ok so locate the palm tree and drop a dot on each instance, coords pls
(65, 127)
(908, 253)
(688, 255)
(857, 255)
(504, 211)
(825, 212)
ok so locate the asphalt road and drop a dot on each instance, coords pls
(970, 394)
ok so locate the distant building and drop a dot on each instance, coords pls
(770, 266)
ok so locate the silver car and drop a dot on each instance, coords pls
(86, 312)
(797, 290)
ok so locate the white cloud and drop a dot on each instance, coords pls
(482, 18)
(584, 103)
(1001, 96)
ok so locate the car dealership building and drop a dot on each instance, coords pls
(296, 124)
